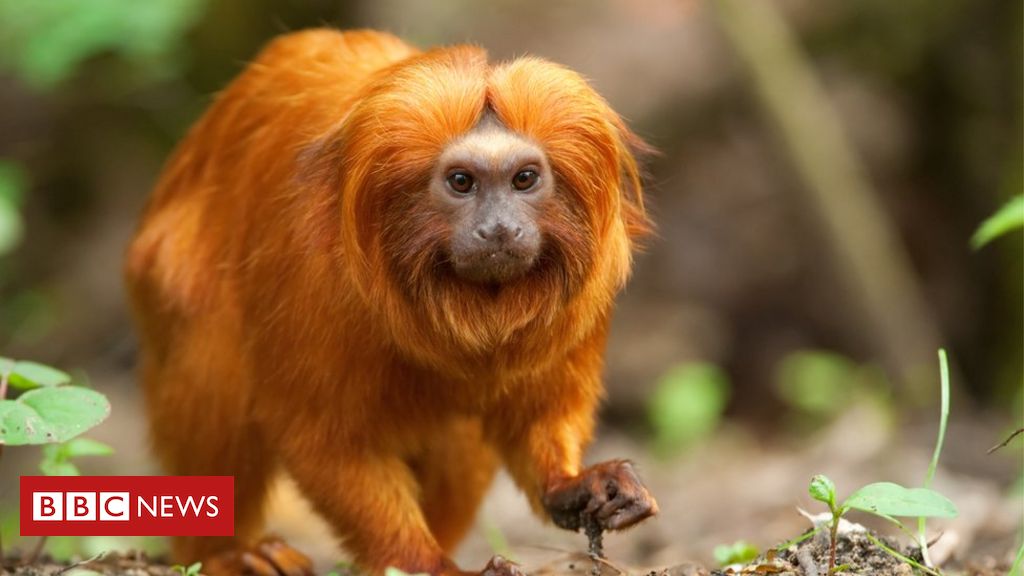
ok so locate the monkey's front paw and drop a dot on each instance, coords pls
(608, 495)
(269, 557)
(499, 566)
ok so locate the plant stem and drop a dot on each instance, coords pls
(922, 536)
(834, 542)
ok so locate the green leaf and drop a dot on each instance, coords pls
(739, 552)
(823, 490)
(1008, 218)
(51, 468)
(889, 499)
(26, 374)
(20, 424)
(687, 405)
(47, 415)
(79, 447)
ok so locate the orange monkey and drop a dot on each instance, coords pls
(388, 271)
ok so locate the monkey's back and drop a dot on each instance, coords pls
(247, 144)
(207, 218)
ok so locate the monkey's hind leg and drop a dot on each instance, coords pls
(454, 474)
(200, 425)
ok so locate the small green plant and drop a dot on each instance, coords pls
(739, 552)
(48, 411)
(884, 499)
(888, 500)
(190, 570)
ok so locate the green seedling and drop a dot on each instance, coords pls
(888, 500)
(51, 412)
(739, 552)
(190, 570)
(883, 499)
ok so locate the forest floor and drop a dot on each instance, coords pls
(737, 485)
(856, 554)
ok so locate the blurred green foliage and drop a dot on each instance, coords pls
(1007, 219)
(816, 381)
(43, 42)
(12, 185)
(190, 570)
(687, 405)
(739, 552)
(820, 384)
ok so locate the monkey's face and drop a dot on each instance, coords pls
(478, 200)
(489, 186)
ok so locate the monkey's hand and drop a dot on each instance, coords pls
(608, 495)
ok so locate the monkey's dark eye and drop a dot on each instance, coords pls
(525, 180)
(460, 182)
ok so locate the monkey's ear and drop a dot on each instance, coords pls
(632, 153)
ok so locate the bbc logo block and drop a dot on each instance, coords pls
(80, 506)
(127, 506)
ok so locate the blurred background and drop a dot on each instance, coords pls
(822, 167)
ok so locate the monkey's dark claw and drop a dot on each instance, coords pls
(608, 495)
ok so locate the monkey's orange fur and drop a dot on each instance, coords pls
(291, 314)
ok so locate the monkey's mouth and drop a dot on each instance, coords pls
(493, 266)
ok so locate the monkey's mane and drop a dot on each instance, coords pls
(385, 150)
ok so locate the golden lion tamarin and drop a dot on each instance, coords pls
(387, 272)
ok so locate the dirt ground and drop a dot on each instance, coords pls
(739, 484)
(733, 488)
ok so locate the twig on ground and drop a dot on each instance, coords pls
(36, 550)
(1009, 438)
(80, 563)
(810, 567)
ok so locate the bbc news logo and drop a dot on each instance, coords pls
(127, 505)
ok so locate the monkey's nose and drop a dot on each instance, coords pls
(499, 232)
